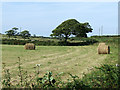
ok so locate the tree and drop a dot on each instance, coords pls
(64, 30)
(71, 27)
(10, 33)
(14, 28)
(25, 34)
(82, 29)
(15, 31)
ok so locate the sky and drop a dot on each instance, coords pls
(41, 18)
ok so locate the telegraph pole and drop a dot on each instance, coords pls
(101, 30)
(116, 31)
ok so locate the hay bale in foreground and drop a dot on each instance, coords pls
(103, 49)
(30, 46)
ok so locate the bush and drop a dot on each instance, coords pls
(105, 76)
(86, 41)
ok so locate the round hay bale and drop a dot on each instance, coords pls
(30, 46)
(103, 49)
(101, 44)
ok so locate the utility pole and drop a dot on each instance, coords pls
(116, 31)
(101, 30)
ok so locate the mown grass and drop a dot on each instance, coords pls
(67, 59)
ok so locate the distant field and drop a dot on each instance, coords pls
(67, 59)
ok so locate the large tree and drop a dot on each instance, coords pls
(12, 32)
(15, 30)
(25, 34)
(64, 30)
(71, 27)
(82, 29)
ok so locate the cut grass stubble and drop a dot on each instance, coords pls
(67, 59)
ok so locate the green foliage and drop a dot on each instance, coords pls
(76, 83)
(82, 29)
(71, 27)
(86, 41)
(7, 78)
(20, 72)
(106, 76)
(47, 80)
(11, 32)
(64, 30)
(25, 34)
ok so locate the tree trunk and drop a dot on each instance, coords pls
(66, 37)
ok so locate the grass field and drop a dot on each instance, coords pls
(67, 59)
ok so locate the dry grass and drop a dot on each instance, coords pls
(67, 59)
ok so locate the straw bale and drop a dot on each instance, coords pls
(103, 49)
(29, 46)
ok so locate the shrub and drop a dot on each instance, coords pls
(105, 76)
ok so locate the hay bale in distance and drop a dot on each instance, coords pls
(30, 46)
(103, 49)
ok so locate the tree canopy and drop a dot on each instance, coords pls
(82, 29)
(11, 32)
(25, 34)
(71, 27)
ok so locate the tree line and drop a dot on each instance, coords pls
(63, 31)
(14, 32)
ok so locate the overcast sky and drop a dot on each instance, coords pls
(41, 18)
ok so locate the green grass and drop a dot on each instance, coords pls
(67, 59)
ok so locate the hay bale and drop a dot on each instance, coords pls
(30, 46)
(101, 44)
(103, 49)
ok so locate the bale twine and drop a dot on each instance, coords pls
(103, 49)
(30, 46)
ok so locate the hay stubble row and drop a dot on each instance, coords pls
(63, 59)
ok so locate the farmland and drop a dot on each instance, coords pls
(53, 58)
(67, 59)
